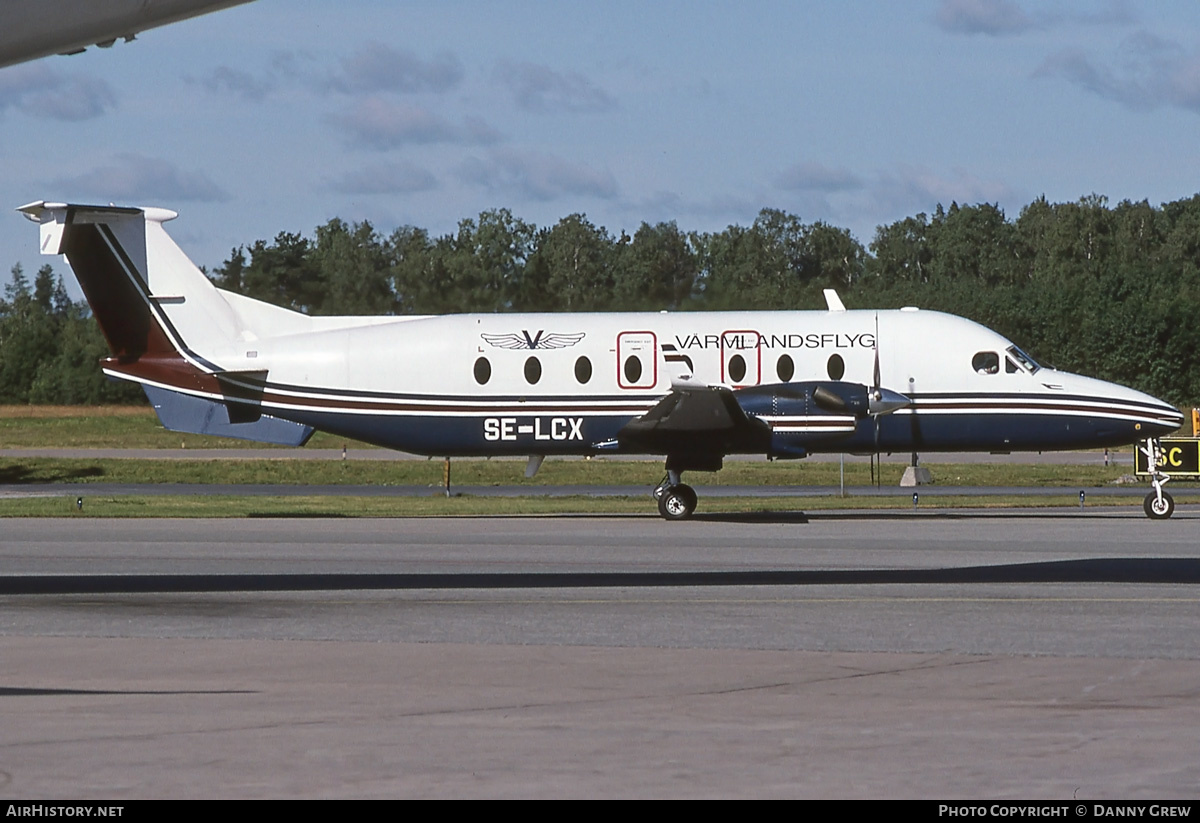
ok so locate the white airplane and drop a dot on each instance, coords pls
(693, 386)
(30, 29)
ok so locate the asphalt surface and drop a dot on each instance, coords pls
(949, 655)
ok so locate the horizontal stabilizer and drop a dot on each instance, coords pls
(196, 415)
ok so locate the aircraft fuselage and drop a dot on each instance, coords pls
(564, 383)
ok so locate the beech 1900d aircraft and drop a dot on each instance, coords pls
(692, 386)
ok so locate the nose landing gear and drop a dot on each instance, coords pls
(1158, 505)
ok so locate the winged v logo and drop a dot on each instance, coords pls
(541, 340)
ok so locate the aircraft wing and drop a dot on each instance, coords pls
(697, 425)
(30, 29)
(706, 422)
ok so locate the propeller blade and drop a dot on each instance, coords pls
(876, 397)
(878, 379)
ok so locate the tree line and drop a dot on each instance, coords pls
(50, 346)
(1109, 291)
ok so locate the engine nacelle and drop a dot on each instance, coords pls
(810, 398)
(814, 413)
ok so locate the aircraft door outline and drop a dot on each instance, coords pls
(743, 344)
(637, 360)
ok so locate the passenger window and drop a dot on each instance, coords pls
(836, 367)
(737, 368)
(483, 371)
(583, 370)
(533, 370)
(785, 368)
(986, 362)
(633, 369)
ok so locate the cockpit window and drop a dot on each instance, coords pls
(1028, 363)
(986, 362)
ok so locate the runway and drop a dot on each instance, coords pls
(957, 654)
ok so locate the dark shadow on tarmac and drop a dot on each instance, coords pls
(1113, 570)
(975, 514)
(29, 691)
(295, 516)
(752, 517)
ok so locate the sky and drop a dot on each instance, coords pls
(282, 114)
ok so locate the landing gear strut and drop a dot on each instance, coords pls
(676, 499)
(1158, 504)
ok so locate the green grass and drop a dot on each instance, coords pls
(511, 472)
(118, 427)
(436, 505)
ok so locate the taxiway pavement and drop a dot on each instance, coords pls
(951, 654)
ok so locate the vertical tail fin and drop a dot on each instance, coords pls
(148, 297)
(167, 325)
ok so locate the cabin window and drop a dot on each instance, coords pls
(737, 368)
(533, 370)
(785, 368)
(583, 370)
(836, 367)
(633, 369)
(986, 362)
(1028, 363)
(483, 371)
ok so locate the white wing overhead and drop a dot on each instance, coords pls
(30, 29)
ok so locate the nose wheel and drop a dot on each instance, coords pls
(1159, 508)
(1158, 504)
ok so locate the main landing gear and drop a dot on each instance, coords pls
(1158, 504)
(676, 499)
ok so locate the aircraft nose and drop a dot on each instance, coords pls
(1167, 420)
(1129, 413)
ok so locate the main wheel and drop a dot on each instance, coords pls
(677, 502)
(1159, 509)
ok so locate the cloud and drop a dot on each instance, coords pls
(1150, 72)
(379, 123)
(284, 68)
(135, 178)
(385, 178)
(45, 93)
(373, 68)
(537, 175)
(237, 82)
(995, 18)
(910, 189)
(816, 177)
(542, 89)
(378, 67)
